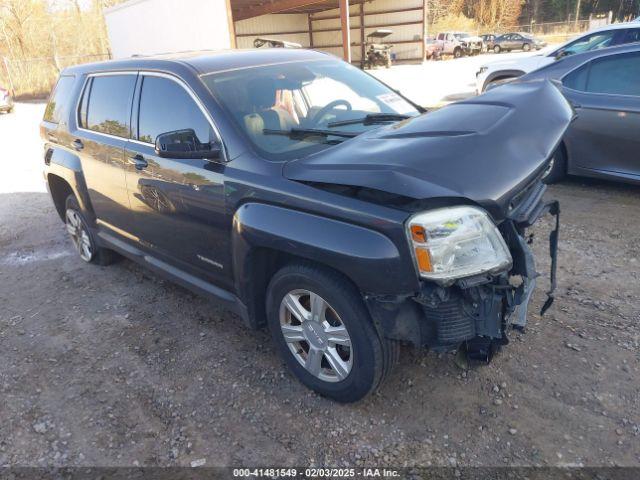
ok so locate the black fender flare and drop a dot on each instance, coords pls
(499, 74)
(67, 166)
(367, 257)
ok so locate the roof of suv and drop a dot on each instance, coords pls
(205, 61)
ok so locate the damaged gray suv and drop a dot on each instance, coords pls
(310, 198)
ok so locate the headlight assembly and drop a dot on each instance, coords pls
(456, 242)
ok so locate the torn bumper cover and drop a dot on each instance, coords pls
(476, 311)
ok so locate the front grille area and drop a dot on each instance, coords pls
(452, 324)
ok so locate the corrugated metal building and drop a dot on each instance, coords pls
(317, 24)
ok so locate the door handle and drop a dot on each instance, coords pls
(138, 161)
(77, 144)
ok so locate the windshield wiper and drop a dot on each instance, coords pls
(299, 133)
(371, 119)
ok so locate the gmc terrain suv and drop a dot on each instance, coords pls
(309, 197)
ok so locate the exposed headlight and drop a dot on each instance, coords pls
(456, 242)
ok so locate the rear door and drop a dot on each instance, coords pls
(102, 131)
(606, 133)
(178, 205)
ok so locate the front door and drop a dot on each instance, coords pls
(100, 137)
(178, 205)
(606, 95)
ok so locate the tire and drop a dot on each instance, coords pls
(496, 49)
(457, 53)
(365, 358)
(526, 47)
(557, 169)
(82, 236)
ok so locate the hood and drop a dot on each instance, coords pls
(487, 149)
(472, 39)
(524, 64)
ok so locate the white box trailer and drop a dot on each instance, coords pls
(147, 27)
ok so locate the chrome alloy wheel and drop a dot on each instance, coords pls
(316, 336)
(79, 235)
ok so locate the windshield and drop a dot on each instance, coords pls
(461, 35)
(282, 98)
(587, 43)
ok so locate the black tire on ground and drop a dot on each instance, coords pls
(372, 358)
(99, 255)
(496, 49)
(557, 168)
(457, 53)
(526, 47)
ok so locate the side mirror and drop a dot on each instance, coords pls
(560, 53)
(185, 144)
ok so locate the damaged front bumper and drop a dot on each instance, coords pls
(476, 311)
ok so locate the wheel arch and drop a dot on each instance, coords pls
(501, 75)
(267, 237)
(63, 173)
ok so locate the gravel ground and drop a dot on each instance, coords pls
(113, 366)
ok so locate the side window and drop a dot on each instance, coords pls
(165, 106)
(615, 75)
(108, 104)
(59, 101)
(590, 42)
(441, 36)
(630, 36)
(577, 80)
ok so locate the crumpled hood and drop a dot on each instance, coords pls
(486, 149)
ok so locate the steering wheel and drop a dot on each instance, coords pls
(327, 108)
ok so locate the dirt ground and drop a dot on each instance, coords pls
(112, 366)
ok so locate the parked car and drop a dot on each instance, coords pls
(516, 41)
(459, 44)
(6, 100)
(604, 89)
(488, 41)
(607, 36)
(432, 49)
(309, 197)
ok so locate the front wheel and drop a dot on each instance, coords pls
(526, 47)
(324, 333)
(457, 53)
(496, 49)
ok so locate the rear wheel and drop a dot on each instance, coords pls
(82, 237)
(557, 168)
(324, 332)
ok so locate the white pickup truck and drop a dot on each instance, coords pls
(459, 44)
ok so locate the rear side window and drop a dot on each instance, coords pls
(631, 36)
(58, 105)
(106, 104)
(166, 107)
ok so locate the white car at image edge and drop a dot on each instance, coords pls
(607, 36)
